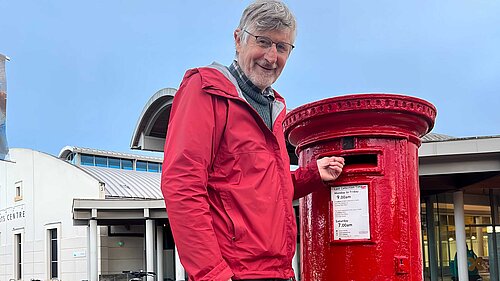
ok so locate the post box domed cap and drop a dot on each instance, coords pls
(360, 114)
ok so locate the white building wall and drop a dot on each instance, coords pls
(121, 253)
(130, 256)
(48, 188)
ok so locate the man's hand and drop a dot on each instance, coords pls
(330, 167)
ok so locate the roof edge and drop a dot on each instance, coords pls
(141, 123)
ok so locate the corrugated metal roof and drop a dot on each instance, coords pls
(431, 137)
(63, 153)
(126, 183)
(443, 138)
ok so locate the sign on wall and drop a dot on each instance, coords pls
(351, 213)
(12, 214)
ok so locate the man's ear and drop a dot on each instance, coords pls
(237, 39)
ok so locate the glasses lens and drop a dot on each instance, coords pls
(283, 47)
(264, 42)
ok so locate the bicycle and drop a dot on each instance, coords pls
(138, 275)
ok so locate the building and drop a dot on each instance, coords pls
(459, 182)
(39, 235)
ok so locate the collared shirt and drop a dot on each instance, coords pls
(261, 101)
(268, 92)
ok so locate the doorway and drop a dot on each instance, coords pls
(439, 241)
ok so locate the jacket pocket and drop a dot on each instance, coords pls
(236, 226)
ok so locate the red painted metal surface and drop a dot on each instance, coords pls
(379, 136)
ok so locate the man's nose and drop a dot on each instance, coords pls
(271, 54)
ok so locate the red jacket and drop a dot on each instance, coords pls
(227, 184)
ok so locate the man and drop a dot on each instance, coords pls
(226, 175)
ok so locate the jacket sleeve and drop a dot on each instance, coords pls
(188, 154)
(306, 180)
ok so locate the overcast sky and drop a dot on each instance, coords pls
(82, 71)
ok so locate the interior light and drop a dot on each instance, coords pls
(451, 239)
(489, 229)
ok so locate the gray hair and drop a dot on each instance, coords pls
(266, 15)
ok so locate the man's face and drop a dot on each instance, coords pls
(262, 66)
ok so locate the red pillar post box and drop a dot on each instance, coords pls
(366, 226)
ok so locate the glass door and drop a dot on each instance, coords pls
(439, 240)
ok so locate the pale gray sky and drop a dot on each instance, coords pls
(81, 71)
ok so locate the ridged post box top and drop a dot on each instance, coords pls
(376, 114)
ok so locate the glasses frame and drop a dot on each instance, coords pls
(272, 42)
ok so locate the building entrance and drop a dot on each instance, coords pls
(482, 235)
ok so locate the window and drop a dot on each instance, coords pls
(18, 256)
(101, 161)
(141, 166)
(53, 253)
(153, 167)
(87, 160)
(127, 164)
(119, 163)
(114, 163)
(70, 157)
(19, 191)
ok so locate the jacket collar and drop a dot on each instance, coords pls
(225, 85)
(211, 79)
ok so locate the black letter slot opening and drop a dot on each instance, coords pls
(360, 161)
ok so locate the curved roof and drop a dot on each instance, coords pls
(65, 151)
(126, 183)
(119, 183)
(151, 128)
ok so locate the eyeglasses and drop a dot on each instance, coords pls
(266, 43)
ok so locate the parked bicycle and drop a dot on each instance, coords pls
(138, 275)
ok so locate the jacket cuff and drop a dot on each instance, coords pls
(307, 180)
(221, 272)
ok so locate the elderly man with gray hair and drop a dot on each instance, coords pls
(226, 177)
